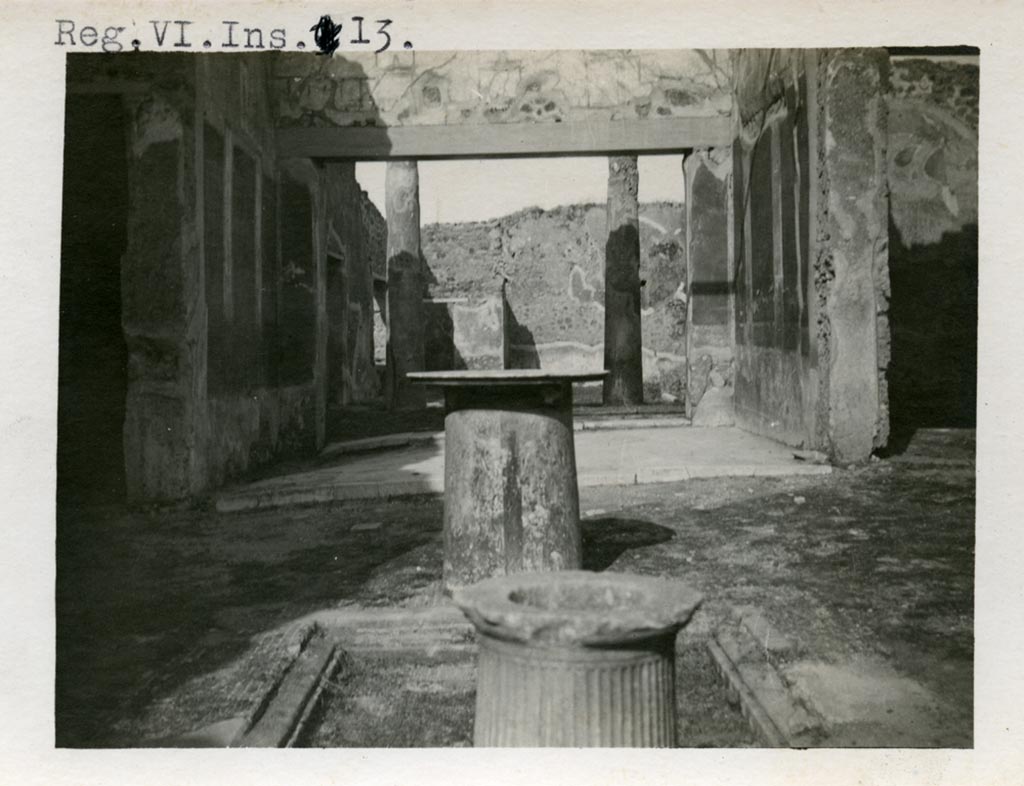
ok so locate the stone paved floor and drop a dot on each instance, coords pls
(603, 457)
(870, 571)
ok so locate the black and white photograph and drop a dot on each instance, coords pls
(566, 396)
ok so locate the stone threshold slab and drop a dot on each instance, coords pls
(405, 439)
(778, 718)
(243, 703)
(292, 700)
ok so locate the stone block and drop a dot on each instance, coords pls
(478, 334)
(715, 408)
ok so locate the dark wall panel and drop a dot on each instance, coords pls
(709, 245)
(297, 326)
(739, 203)
(245, 334)
(804, 159)
(762, 240)
(269, 286)
(790, 259)
(92, 354)
(213, 253)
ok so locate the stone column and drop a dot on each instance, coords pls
(511, 501)
(623, 343)
(405, 285)
(162, 309)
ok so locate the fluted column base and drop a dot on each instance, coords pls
(530, 696)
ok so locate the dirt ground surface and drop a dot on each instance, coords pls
(169, 620)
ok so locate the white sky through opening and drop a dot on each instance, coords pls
(481, 189)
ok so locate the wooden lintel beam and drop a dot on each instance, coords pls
(663, 134)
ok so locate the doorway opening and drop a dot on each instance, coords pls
(92, 354)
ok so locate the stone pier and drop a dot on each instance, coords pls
(162, 312)
(405, 285)
(623, 343)
(853, 282)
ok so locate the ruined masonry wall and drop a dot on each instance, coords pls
(553, 262)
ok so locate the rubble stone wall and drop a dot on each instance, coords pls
(552, 264)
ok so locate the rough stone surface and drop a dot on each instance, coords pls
(552, 261)
(577, 608)
(253, 431)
